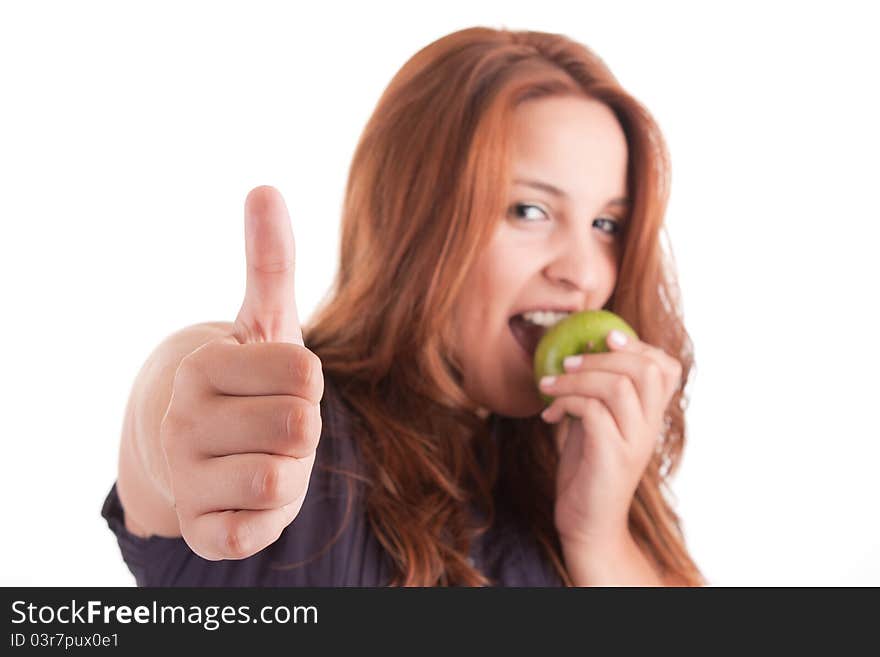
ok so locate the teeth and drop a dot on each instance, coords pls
(544, 317)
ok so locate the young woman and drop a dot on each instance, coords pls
(398, 437)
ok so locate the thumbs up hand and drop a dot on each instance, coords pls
(243, 423)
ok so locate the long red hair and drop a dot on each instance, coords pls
(427, 185)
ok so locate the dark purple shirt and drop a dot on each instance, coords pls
(507, 554)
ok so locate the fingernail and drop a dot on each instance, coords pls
(546, 414)
(571, 362)
(548, 381)
(617, 338)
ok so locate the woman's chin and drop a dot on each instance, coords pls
(510, 392)
(526, 403)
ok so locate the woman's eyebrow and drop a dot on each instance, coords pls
(555, 191)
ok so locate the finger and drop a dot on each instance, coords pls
(615, 390)
(563, 431)
(249, 481)
(260, 368)
(593, 415)
(279, 424)
(646, 376)
(670, 368)
(236, 534)
(268, 313)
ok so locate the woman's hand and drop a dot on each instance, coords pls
(616, 402)
(241, 431)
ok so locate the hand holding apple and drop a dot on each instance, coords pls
(615, 403)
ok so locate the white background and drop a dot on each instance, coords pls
(131, 133)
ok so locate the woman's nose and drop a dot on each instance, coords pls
(580, 264)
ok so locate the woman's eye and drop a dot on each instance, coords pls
(531, 213)
(516, 208)
(615, 225)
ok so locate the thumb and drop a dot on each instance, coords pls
(268, 313)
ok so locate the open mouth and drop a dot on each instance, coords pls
(529, 327)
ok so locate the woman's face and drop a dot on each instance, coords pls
(556, 248)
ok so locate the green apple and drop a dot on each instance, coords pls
(579, 333)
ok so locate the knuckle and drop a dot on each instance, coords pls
(317, 369)
(267, 483)
(654, 371)
(309, 375)
(310, 427)
(306, 368)
(236, 538)
(304, 424)
(621, 386)
(317, 426)
(296, 422)
(592, 406)
(295, 364)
